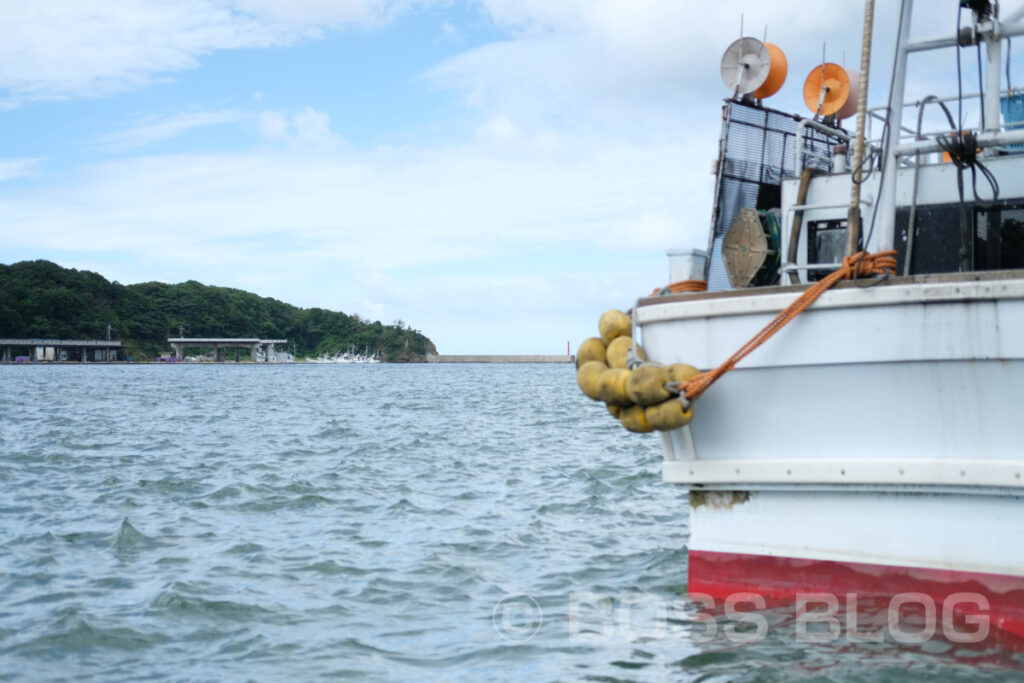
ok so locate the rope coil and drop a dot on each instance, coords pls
(680, 287)
(861, 264)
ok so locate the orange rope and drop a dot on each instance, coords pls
(861, 264)
(688, 286)
(684, 286)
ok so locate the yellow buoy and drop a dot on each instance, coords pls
(614, 323)
(611, 387)
(646, 385)
(681, 372)
(615, 410)
(668, 415)
(587, 376)
(590, 349)
(633, 419)
(618, 352)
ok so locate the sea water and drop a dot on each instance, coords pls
(293, 522)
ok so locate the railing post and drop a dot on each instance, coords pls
(887, 192)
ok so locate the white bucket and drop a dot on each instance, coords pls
(686, 264)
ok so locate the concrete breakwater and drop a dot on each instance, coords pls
(505, 359)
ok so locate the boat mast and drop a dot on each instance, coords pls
(887, 192)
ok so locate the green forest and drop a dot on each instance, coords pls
(40, 299)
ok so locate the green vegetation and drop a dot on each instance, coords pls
(42, 299)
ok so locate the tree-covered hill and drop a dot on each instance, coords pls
(42, 299)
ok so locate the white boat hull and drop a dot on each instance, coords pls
(872, 446)
(906, 372)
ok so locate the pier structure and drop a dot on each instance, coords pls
(180, 344)
(57, 350)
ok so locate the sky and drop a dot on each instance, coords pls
(494, 173)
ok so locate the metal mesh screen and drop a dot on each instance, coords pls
(759, 148)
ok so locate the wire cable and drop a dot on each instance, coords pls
(963, 153)
(981, 86)
(908, 255)
(959, 77)
(1009, 48)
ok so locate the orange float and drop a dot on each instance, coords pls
(776, 72)
(830, 89)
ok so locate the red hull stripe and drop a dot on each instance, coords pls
(783, 578)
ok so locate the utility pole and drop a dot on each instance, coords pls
(108, 331)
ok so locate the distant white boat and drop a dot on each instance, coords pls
(275, 357)
(347, 357)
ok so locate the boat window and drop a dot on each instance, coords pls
(937, 238)
(826, 243)
(994, 237)
(1000, 238)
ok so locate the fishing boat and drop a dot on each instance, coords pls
(348, 357)
(867, 445)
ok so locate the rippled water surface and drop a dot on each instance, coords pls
(384, 522)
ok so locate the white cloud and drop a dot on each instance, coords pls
(307, 129)
(314, 13)
(156, 129)
(274, 126)
(500, 132)
(400, 206)
(313, 128)
(450, 32)
(515, 312)
(653, 63)
(17, 168)
(68, 48)
(601, 54)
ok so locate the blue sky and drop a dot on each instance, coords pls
(495, 173)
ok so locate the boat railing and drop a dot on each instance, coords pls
(913, 142)
(794, 267)
(807, 151)
(879, 114)
(985, 140)
(788, 267)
